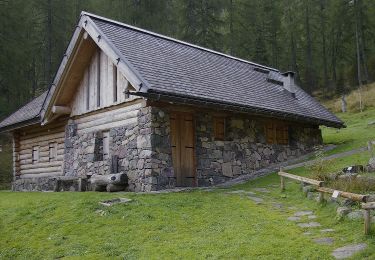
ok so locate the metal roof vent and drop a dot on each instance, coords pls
(289, 84)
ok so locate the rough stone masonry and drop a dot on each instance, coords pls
(143, 151)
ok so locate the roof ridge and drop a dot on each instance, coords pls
(176, 40)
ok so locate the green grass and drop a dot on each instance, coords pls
(357, 133)
(187, 225)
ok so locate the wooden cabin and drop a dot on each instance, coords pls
(164, 112)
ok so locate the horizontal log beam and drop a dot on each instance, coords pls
(349, 195)
(61, 110)
(300, 178)
(368, 205)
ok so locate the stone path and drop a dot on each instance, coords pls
(348, 251)
(324, 240)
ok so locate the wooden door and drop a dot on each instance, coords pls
(182, 141)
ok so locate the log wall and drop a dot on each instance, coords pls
(42, 137)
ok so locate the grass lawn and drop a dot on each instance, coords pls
(187, 225)
(196, 224)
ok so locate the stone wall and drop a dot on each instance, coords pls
(244, 149)
(142, 150)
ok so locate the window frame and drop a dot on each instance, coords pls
(35, 154)
(52, 151)
(219, 134)
(277, 132)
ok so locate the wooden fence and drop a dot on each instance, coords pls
(367, 206)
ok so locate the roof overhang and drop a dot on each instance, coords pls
(189, 100)
(29, 122)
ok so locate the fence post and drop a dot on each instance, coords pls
(282, 181)
(367, 218)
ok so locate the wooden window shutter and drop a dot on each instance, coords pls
(219, 128)
(270, 133)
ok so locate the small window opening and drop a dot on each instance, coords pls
(52, 151)
(35, 154)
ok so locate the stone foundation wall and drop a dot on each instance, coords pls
(244, 149)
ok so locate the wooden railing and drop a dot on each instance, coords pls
(322, 190)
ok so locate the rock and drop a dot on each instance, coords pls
(308, 188)
(347, 202)
(227, 169)
(327, 230)
(343, 211)
(294, 218)
(324, 240)
(263, 190)
(256, 199)
(348, 251)
(371, 198)
(109, 203)
(277, 205)
(311, 217)
(307, 233)
(311, 195)
(309, 225)
(236, 191)
(303, 213)
(355, 215)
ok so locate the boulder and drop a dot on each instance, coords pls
(355, 215)
(343, 211)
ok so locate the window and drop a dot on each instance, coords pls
(35, 154)
(52, 151)
(114, 76)
(106, 145)
(277, 133)
(219, 128)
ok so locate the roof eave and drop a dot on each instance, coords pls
(184, 99)
(12, 127)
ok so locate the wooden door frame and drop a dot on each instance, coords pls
(178, 115)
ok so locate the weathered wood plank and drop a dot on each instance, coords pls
(300, 178)
(349, 195)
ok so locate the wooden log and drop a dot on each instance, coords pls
(118, 178)
(282, 182)
(41, 165)
(368, 205)
(367, 221)
(301, 179)
(40, 175)
(61, 110)
(349, 195)
(114, 187)
(321, 197)
(42, 170)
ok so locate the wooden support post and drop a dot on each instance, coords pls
(79, 184)
(367, 218)
(282, 181)
(321, 197)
